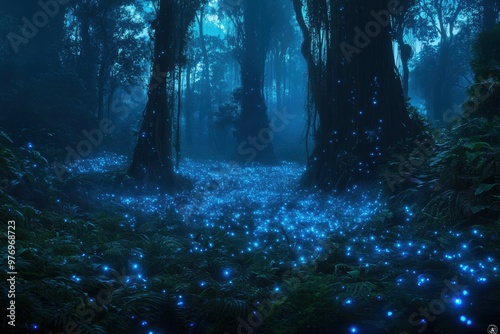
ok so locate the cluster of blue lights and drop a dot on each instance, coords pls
(101, 163)
(261, 206)
(465, 320)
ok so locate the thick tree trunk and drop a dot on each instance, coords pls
(152, 160)
(253, 133)
(358, 97)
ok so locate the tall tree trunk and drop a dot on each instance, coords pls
(440, 98)
(278, 70)
(205, 119)
(406, 52)
(101, 83)
(255, 141)
(188, 108)
(357, 96)
(178, 118)
(152, 160)
(88, 57)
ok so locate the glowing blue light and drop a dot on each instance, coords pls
(144, 323)
(106, 268)
(458, 301)
(463, 318)
(135, 266)
(389, 313)
(226, 273)
(469, 322)
(465, 292)
(354, 330)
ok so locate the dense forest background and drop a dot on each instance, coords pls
(91, 60)
(201, 160)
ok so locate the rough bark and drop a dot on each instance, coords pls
(152, 160)
(359, 101)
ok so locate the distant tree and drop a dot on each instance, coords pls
(152, 161)
(283, 37)
(205, 110)
(401, 24)
(357, 95)
(33, 74)
(440, 21)
(105, 42)
(32, 46)
(258, 21)
(210, 66)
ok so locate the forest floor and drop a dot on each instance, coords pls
(243, 250)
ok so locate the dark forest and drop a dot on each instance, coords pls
(250, 166)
